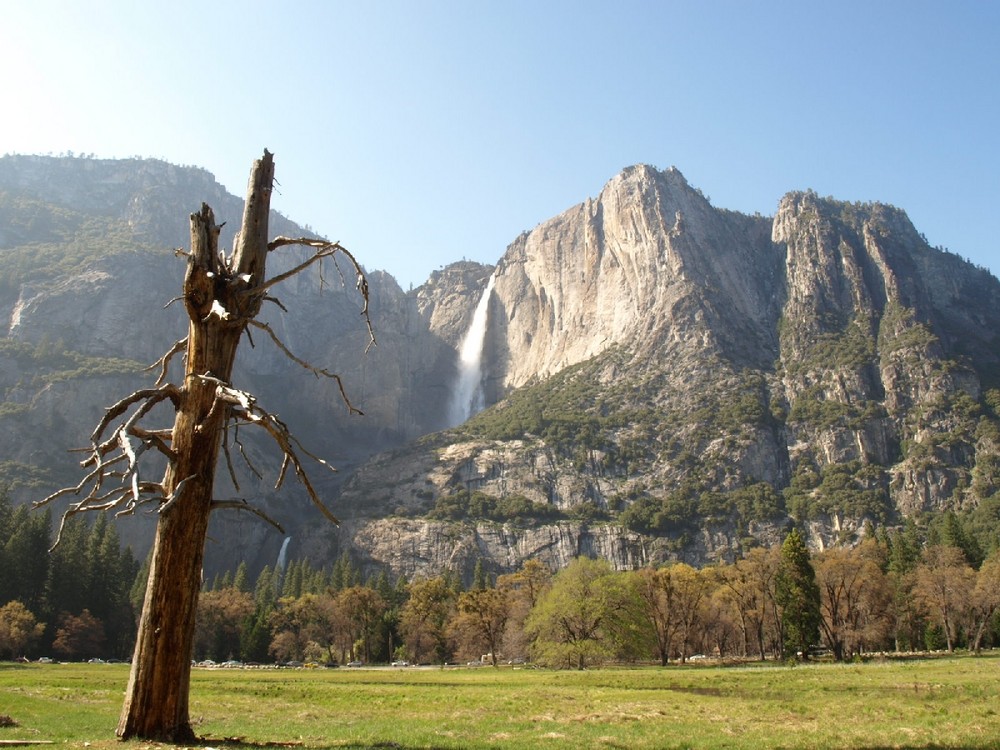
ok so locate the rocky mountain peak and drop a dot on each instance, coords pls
(630, 266)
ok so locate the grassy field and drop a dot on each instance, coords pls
(948, 702)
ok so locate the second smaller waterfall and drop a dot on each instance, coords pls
(279, 565)
(468, 397)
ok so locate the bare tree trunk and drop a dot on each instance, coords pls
(223, 296)
(220, 299)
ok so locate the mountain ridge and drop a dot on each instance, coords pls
(831, 352)
(675, 378)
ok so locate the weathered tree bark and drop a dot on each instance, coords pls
(221, 298)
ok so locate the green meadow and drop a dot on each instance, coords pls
(945, 702)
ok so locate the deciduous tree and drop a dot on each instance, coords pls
(691, 587)
(523, 588)
(79, 636)
(943, 589)
(655, 587)
(361, 609)
(720, 628)
(671, 598)
(303, 628)
(480, 620)
(855, 598)
(749, 586)
(222, 617)
(985, 599)
(424, 618)
(19, 629)
(24, 564)
(586, 617)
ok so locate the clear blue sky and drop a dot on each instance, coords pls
(421, 132)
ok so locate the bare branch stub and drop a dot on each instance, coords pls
(164, 362)
(242, 449)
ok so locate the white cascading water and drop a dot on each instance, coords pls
(468, 397)
(279, 565)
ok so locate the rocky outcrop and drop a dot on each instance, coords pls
(421, 548)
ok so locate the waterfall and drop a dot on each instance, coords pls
(279, 565)
(468, 397)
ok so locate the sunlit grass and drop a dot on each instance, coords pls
(933, 703)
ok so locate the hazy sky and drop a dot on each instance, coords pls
(421, 132)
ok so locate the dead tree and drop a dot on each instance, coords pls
(223, 296)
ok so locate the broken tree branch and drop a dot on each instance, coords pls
(243, 406)
(245, 506)
(164, 361)
(229, 457)
(324, 249)
(110, 447)
(151, 395)
(243, 453)
(168, 503)
(317, 371)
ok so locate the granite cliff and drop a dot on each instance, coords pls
(663, 379)
(701, 379)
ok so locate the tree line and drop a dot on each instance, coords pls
(79, 600)
(913, 588)
(904, 590)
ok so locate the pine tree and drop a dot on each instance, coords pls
(109, 579)
(26, 560)
(453, 581)
(265, 592)
(6, 531)
(242, 580)
(344, 574)
(480, 580)
(137, 593)
(312, 579)
(6, 514)
(904, 549)
(387, 635)
(400, 592)
(951, 533)
(798, 596)
(292, 584)
(100, 570)
(383, 587)
(255, 636)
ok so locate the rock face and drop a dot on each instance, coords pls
(631, 267)
(85, 291)
(665, 379)
(705, 378)
(408, 546)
